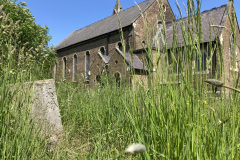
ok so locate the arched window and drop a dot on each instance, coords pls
(117, 77)
(98, 78)
(64, 67)
(102, 50)
(164, 8)
(232, 52)
(120, 46)
(75, 68)
(87, 65)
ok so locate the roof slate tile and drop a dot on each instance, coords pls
(210, 20)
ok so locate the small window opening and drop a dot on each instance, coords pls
(102, 50)
(164, 8)
(75, 68)
(120, 46)
(159, 22)
(116, 62)
(87, 65)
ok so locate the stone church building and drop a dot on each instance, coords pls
(88, 53)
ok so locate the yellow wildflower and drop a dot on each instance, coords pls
(205, 102)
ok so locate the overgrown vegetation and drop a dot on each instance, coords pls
(22, 59)
(23, 42)
(181, 121)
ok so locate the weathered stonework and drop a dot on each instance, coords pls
(109, 42)
(45, 109)
(228, 70)
(153, 18)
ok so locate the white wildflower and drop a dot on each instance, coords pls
(136, 148)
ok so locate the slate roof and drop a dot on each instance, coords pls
(132, 59)
(209, 19)
(107, 25)
(107, 58)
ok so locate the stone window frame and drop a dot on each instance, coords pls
(74, 80)
(87, 74)
(235, 68)
(105, 53)
(164, 8)
(64, 60)
(117, 45)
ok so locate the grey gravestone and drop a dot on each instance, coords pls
(45, 110)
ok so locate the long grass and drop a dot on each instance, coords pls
(20, 138)
(173, 121)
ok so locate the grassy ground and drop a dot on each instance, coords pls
(172, 122)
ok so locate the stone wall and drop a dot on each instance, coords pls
(153, 17)
(118, 65)
(228, 70)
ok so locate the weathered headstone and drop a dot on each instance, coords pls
(45, 109)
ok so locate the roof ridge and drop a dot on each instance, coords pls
(214, 8)
(209, 19)
(205, 11)
(127, 18)
(113, 15)
(66, 38)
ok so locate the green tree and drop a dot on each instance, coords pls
(23, 40)
(32, 33)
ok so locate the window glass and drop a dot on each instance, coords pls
(75, 68)
(120, 46)
(102, 50)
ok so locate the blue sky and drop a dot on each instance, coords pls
(64, 16)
